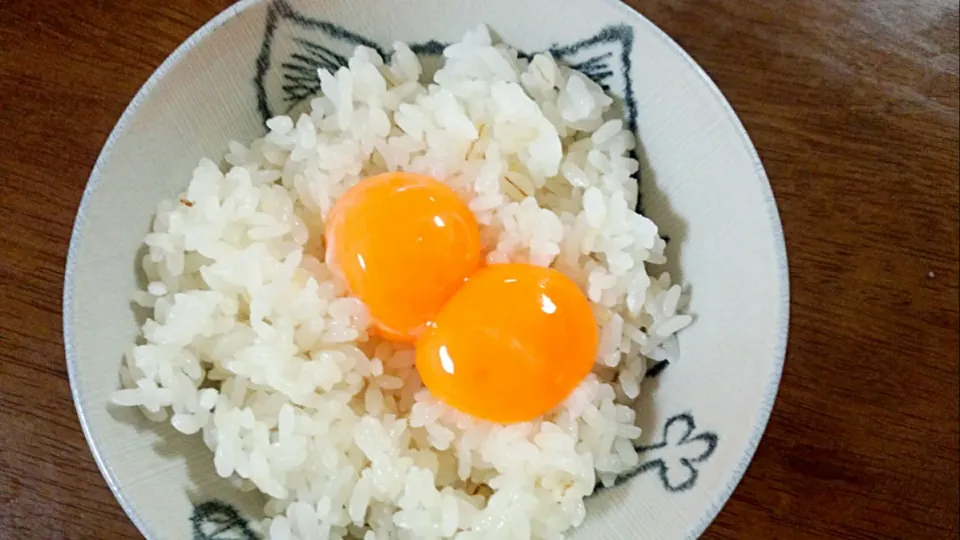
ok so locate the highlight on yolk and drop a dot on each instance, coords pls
(404, 243)
(510, 345)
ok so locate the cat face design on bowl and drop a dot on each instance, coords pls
(294, 47)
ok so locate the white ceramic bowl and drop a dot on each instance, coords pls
(701, 182)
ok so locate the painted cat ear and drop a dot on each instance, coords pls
(605, 58)
(294, 46)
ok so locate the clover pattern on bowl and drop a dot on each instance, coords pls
(677, 456)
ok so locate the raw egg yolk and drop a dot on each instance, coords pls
(510, 345)
(404, 243)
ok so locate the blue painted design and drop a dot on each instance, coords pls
(337, 44)
(656, 369)
(677, 456)
(217, 520)
(604, 57)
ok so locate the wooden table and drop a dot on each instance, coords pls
(853, 107)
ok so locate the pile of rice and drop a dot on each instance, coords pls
(256, 346)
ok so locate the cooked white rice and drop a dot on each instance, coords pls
(256, 346)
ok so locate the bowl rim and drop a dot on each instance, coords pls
(771, 386)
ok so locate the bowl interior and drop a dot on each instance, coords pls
(702, 183)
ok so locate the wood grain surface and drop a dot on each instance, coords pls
(853, 107)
